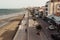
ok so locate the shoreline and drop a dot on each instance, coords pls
(3, 17)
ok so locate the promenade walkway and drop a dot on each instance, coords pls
(21, 33)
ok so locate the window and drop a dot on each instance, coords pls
(46, 13)
(46, 5)
(46, 9)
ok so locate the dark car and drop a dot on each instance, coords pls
(56, 36)
(51, 21)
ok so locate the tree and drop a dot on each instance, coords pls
(38, 27)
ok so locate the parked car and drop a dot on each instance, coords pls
(36, 15)
(51, 21)
(56, 36)
(52, 27)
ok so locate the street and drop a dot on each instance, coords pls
(45, 28)
(31, 33)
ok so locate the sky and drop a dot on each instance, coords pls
(21, 3)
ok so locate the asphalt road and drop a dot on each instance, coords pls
(32, 31)
(45, 29)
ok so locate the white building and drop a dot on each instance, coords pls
(47, 8)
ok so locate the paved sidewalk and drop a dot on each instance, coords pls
(21, 33)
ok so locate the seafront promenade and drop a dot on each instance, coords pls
(21, 33)
(29, 34)
(23, 27)
(27, 29)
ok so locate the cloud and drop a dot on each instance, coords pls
(21, 3)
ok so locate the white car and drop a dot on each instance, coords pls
(52, 27)
(36, 16)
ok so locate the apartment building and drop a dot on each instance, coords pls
(53, 7)
(47, 8)
(56, 7)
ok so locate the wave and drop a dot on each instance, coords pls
(6, 13)
(10, 15)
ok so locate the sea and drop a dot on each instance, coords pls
(8, 12)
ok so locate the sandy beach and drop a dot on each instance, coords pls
(8, 31)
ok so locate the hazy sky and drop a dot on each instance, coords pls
(21, 3)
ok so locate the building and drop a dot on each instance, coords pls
(53, 7)
(56, 7)
(42, 12)
(53, 10)
(47, 8)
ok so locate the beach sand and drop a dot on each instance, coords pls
(8, 31)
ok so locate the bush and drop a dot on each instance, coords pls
(38, 27)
